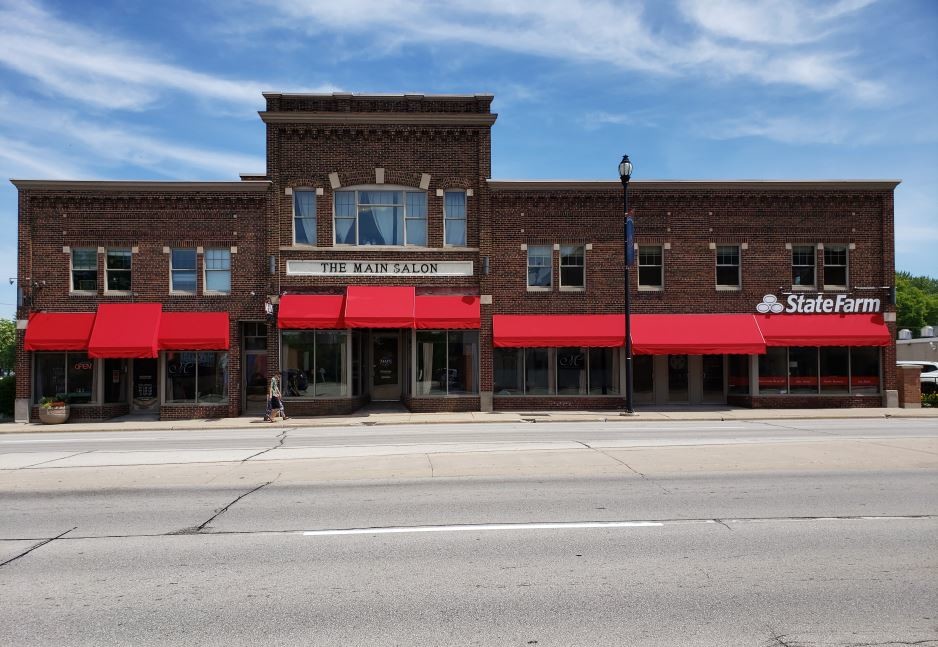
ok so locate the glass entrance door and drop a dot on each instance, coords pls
(254, 379)
(677, 378)
(713, 379)
(146, 385)
(386, 366)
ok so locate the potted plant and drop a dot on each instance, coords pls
(53, 411)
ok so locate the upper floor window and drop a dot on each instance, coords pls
(540, 267)
(572, 267)
(802, 265)
(728, 266)
(650, 267)
(835, 265)
(304, 217)
(454, 218)
(182, 270)
(84, 269)
(117, 269)
(381, 217)
(218, 271)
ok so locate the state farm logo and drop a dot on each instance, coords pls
(818, 304)
(769, 304)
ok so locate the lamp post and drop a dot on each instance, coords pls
(628, 240)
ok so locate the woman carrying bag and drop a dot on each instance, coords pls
(274, 400)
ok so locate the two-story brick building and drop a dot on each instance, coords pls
(376, 260)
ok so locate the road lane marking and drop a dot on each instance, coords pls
(484, 526)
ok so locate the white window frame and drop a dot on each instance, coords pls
(803, 286)
(380, 187)
(638, 265)
(315, 217)
(464, 218)
(108, 270)
(846, 266)
(527, 269)
(194, 270)
(572, 288)
(739, 268)
(72, 269)
(206, 270)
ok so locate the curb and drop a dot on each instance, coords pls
(228, 424)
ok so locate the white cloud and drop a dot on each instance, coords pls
(762, 42)
(784, 129)
(777, 22)
(93, 146)
(98, 69)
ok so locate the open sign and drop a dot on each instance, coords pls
(83, 366)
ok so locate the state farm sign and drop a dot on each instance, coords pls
(818, 304)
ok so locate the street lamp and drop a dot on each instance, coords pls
(628, 230)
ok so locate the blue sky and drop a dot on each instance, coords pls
(690, 89)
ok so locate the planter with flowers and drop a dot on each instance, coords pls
(53, 411)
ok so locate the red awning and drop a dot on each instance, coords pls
(194, 331)
(518, 331)
(442, 312)
(126, 330)
(368, 306)
(693, 334)
(59, 330)
(304, 311)
(824, 330)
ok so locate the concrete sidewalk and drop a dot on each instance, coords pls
(370, 418)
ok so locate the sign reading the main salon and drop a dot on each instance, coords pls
(378, 268)
(818, 304)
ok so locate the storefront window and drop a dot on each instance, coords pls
(508, 371)
(66, 376)
(643, 378)
(314, 364)
(447, 362)
(802, 370)
(773, 371)
(835, 369)
(571, 371)
(196, 377)
(431, 363)
(864, 370)
(604, 371)
(537, 371)
(738, 378)
(563, 371)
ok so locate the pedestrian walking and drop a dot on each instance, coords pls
(274, 400)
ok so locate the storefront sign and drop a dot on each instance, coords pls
(379, 268)
(818, 304)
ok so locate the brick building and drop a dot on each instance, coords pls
(376, 259)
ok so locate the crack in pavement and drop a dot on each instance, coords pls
(52, 460)
(39, 545)
(198, 529)
(281, 438)
(430, 462)
(627, 466)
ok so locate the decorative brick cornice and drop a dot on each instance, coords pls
(694, 185)
(253, 186)
(379, 118)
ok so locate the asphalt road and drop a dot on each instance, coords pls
(742, 534)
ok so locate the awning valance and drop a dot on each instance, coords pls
(368, 306)
(446, 312)
(194, 331)
(126, 330)
(519, 331)
(306, 311)
(59, 331)
(696, 334)
(824, 330)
